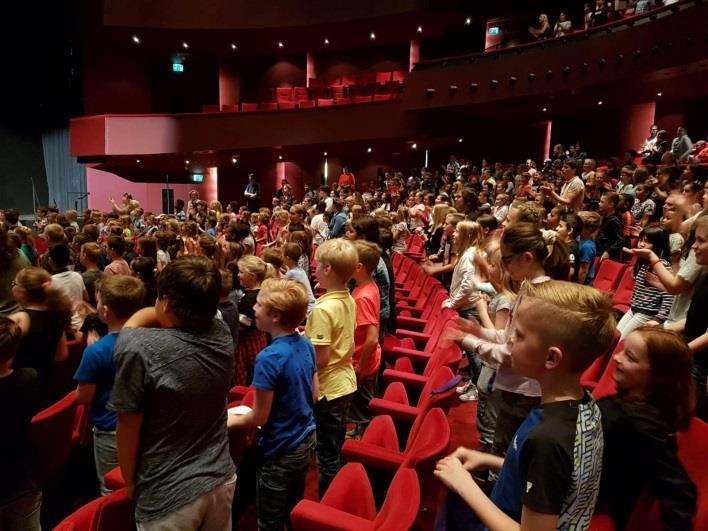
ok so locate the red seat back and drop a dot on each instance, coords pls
(350, 491)
(608, 275)
(402, 503)
(283, 94)
(440, 377)
(249, 107)
(115, 512)
(300, 94)
(592, 374)
(52, 437)
(623, 296)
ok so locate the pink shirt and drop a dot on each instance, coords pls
(118, 267)
(368, 308)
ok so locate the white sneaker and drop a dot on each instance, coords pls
(464, 387)
(471, 395)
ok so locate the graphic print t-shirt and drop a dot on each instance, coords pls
(554, 463)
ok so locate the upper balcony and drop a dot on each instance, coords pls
(642, 50)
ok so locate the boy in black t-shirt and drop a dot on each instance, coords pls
(20, 497)
(550, 476)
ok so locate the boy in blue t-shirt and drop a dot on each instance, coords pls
(118, 297)
(587, 250)
(285, 379)
(550, 476)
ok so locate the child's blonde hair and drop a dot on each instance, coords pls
(440, 212)
(583, 319)
(253, 265)
(469, 234)
(340, 255)
(287, 297)
(591, 220)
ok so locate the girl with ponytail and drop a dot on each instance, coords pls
(44, 320)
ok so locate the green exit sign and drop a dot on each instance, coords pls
(494, 30)
(177, 67)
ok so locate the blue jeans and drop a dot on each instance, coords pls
(281, 484)
(330, 417)
(105, 454)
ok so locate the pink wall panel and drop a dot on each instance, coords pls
(103, 185)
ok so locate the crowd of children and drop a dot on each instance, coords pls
(174, 310)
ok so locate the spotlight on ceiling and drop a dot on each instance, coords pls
(460, 140)
(660, 94)
(136, 39)
(420, 29)
(414, 146)
(368, 150)
(468, 21)
(280, 44)
(137, 160)
(233, 46)
(326, 41)
(185, 45)
(186, 162)
(280, 157)
(372, 36)
(599, 102)
(325, 153)
(544, 109)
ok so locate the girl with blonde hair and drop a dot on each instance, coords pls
(469, 239)
(252, 272)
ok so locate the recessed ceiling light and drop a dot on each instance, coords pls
(186, 162)
(280, 44)
(544, 109)
(136, 39)
(460, 140)
(137, 160)
(372, 36)
(599, 102)
(468, 21)
(325, 153)
(280, 157)
(326, 41)
(660, 94)
(420, 29)
(414, 145)
(234, 160)
(233, 46)
(185, 46)
(368, 150)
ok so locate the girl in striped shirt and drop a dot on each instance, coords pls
(648, 303)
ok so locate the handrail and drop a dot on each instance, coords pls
(621, 24)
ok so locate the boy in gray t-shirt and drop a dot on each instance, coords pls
(170, 393)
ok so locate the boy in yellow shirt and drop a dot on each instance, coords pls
(330, 328)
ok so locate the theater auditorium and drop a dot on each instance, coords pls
(354, 266)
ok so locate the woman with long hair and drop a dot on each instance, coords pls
(655, 400)
(44, 321)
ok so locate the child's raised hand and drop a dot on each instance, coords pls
(468, 326)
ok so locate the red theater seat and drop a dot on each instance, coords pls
(325, 102)
(623, 296)
(300, 94)
(399, 76)
(268, 106)
(52, 435)
(210, 108)
(383, 97)
(337, 91)
(249, 107)
(349, 504)
(305, 104)
(608, 275)
(286, 105)
(114, 512)
(229, 108)
(383, 77)
(362, 99)
(283, 94)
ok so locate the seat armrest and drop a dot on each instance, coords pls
(371, 456)
(398, 412)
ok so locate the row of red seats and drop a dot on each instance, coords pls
(302, 104)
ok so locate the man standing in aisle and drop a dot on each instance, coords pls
(252, 193)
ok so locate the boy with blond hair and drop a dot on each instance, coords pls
(285, 379)
(118, 298)
(550, 476)
(331, 327)
(367, 351)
